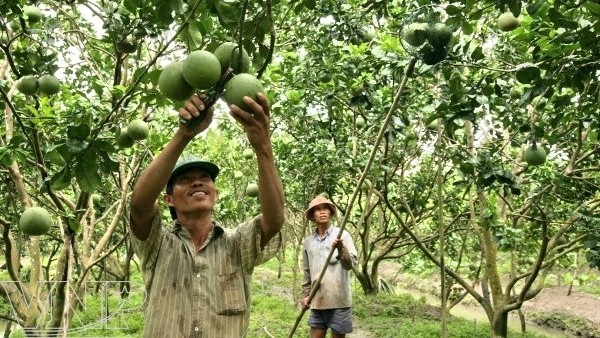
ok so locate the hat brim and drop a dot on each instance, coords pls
(209, 167)
(308, 213)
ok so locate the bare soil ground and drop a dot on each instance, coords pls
(551, 300)
(557, 300)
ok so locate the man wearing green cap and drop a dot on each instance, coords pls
(197, 273)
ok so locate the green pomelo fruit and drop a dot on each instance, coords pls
(15, 25)
(172, 84)
(360, 122)
(27, 85)
(127, 45)
(238, 174)
(35, 221)
(124, 140)
(415, 33)
(137, 129)
(438, 35)
(534, 155)
(515, 93)
(248, 154)
(324, 194)
(507, 22)
(96, 198)
(366, 185)
(242, 85)
(33, 14)
(48, 84)
(527, 73)
(201, 69)
(228, 59)
(432, 55)
(538, 101)
(252, 190)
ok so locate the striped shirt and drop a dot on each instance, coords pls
(204, 293)
(334, 292)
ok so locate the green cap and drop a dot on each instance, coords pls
(190, 161)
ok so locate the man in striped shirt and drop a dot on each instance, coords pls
(197, 273)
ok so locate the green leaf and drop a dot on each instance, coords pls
(86, 172)
(310, 4)
(453, 10)
(593, 7)
(194, 34)
(560, 20)
(515, 7)
(61, 179)
(78, 132)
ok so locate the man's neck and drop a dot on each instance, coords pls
(199, 228)
(322, 228)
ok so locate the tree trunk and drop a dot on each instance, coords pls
(500, 324)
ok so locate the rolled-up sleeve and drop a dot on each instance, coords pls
(249, 237)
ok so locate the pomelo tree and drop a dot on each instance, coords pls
(67, 142)
(459, 189)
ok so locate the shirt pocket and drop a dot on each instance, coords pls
(231, 295)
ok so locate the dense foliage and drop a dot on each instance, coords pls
(437, 140)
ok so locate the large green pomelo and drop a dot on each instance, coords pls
(229, 59)
(534, 155)
(415, 34)
(172, 84)
(507, 22)
(124, 140)
(35, 221)
(27, 85)
(438, 35)
(127, 45)
(201, 69)
(242, 85)
(248, 153)
(48, 84)
(33, 14)
(432, 55)
(138, 129)
(251, 190)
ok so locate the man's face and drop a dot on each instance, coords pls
(193, 191)
(321, 214)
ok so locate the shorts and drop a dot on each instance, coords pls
(339, 320)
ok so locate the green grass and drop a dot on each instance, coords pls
(274, 313)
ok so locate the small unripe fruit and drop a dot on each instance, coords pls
(124, 140)
(248, 154)
(35, 221)
(137, 129)
(33, 14)
(48, 84)
(507, 22)
(415, 34)
(534, 155)
(252, 190)
(27, 85)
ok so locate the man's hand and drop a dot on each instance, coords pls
(304, 303)
(338, 243)
(191, 108)
(255, 122)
